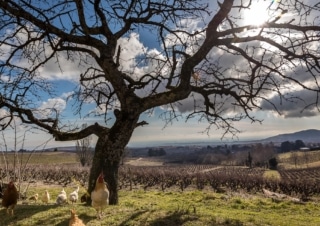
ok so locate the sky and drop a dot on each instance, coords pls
(66, 76)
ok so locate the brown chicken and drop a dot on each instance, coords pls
(34, 198)
(10, 198)
(100, 195)
(74, 220)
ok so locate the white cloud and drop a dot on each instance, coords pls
(4, 52)
(4, 113)
(137, 60)
(67, 95)
(99, 110)
(51, 107)
(63, 66)
(131, 48)
(4, 78)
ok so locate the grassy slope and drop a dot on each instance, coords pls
(303, 159)
(173, 208)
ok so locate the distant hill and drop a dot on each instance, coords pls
(61, 149)
(311, 135)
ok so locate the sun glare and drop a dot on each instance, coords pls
(258, 14)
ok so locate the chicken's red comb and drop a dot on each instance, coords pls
(11, 184)
(101, 177)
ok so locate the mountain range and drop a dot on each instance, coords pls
(309, 136)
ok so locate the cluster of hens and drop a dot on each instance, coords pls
(99, 197)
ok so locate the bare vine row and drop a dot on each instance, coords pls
(301, 183)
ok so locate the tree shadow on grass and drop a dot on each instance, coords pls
(177, 218)
(174, 219)
(47, 215)
(132, 217)
(21, 212)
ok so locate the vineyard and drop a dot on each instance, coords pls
(302, 183)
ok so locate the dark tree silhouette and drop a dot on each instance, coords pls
(227, 68)
(273, 163)
(249, 159)
(299, 144)
(286, 146)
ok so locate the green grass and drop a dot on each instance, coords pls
(191, 207)
(172, 208)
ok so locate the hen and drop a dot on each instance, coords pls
(74, 220)
(100, 195)
(10, 198)
(73, 196)
(62, 198)
(45, 197)
(34, 197)
(85, 197)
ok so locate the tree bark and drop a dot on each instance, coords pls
(108, 153)
(110, 167)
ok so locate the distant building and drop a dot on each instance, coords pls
(304, 149)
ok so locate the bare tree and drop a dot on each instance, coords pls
(261, 153)
(84, 151)
(206, 55)
(125, 154)
(294, 157)
(16, 160)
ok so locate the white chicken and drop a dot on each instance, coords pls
(62, 198)
(73, 196)
(45, 197)
(100, 195)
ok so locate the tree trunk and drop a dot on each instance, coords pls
(96, 166)
(110, 167)
(110, 171)
(107, 157)
(111, 175)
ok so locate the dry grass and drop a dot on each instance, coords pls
(272, 175)
(41, 157)
(299, 159)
